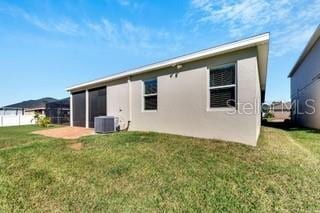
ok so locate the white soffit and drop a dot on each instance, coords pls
(261, 41)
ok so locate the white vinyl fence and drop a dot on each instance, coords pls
(16, 120)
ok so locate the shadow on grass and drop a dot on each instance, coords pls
(288, 125)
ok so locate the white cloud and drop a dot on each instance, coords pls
(104, 29)
(291, 22)
(124, 2)
(62, 25)
(66, 26)
(131, 4)
(133, 37)
(122, 34)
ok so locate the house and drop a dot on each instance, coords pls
(14, 116)
(214, 93)
(22, 113)
(281, 110)
(305, 85)
(31, 107)
(57, 110)
(11, 111)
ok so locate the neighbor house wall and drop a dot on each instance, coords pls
(183, 98)
(305, 85)
(281, 115)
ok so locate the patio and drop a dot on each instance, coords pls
(65, 132)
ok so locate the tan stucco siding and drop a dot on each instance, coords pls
(258, 102)
(305, 86)
(249, 93)
(183, 101)
(118, 101)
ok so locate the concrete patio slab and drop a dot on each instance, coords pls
(66, 132)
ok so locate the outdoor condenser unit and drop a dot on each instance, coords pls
(105, 124)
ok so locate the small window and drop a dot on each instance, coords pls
(222, 86)
(150, 94)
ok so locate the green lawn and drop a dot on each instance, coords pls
(157, 172)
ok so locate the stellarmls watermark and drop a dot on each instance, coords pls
(296, 107)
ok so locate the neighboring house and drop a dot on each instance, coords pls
(200, 94)
(23, 113)
(59, 111)
(33, 106)
(305, 85)
(11, 111)
(281, 110)
(14, 116)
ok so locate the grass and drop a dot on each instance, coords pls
(309, 139)
(137, 171)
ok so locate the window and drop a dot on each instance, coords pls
(150, 94)
(222, 86)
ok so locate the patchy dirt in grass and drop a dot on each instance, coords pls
(76, 146)
(66, 132)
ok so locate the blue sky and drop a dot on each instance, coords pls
(47, 46)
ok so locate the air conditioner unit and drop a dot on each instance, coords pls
(106, 124)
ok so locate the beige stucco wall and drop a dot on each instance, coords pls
(183, 99)
(305, 86)
(118, 101)
(257, 98)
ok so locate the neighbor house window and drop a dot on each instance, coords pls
(222, 86)
(150, 94)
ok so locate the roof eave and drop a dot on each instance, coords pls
(314, 38)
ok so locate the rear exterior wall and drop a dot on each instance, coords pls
(183, 101)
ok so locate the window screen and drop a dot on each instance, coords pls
(151, 94)
(222, 76)
(222, 97)
(97, 104)
(79, 108)
(223, 87)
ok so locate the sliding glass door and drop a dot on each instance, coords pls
(97, 104)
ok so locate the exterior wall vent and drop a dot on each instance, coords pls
(106, 124)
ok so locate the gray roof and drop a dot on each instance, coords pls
(33, 104)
